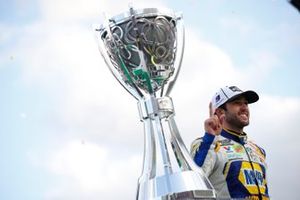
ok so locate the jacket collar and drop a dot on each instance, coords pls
(240, 138)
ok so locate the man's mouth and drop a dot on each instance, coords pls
(244, 116)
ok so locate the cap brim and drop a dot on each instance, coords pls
(250, 96)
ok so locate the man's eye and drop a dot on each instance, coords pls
(240, 102)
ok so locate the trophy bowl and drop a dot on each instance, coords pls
(140, 48)
(144, 49)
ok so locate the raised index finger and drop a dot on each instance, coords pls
(210, 110)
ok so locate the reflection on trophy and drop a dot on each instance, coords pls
(144, 49)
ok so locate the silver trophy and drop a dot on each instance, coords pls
(144, 49)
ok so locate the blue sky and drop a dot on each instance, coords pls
(69, 131)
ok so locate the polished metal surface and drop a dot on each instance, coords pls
(144, 50)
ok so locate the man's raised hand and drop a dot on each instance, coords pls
(213, 124)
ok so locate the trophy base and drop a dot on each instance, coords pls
(187, 185)
(194, 195)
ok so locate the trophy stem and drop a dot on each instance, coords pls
(168, 171)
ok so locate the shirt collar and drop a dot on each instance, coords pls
(230, 134)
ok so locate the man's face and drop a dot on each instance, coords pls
(237, 112)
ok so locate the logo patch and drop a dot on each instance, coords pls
(250, 178)
(233, 151)
(235, 89)
(238, 148)
(218, 98)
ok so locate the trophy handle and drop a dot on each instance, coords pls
(134, 91)
(180, 51)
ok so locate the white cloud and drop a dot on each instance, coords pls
(70, 11)
(82, 161)
(8, 36)
(23, 115)
(260, 65)
(241, 26)
(280, 114)
(89, 171)
(5, 36)
(283, 36)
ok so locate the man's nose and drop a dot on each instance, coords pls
(244, 105)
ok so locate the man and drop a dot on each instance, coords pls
(235, 166)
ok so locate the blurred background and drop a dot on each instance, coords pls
(68, 129)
